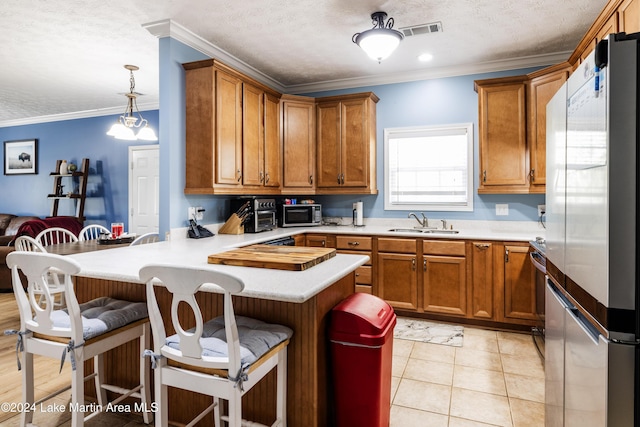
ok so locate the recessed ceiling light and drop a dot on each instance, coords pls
(425, 57)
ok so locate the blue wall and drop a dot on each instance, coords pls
(428, 102)
(422, 103)
(73, 140)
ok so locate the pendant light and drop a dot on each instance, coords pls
(380, 41)
(124, 127)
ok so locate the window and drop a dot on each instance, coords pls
(429, 168)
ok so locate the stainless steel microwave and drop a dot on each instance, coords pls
(302, 215)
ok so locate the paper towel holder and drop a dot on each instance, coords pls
(358, 220)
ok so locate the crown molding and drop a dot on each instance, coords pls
(170, 28)
(75, 115)
(433, 73)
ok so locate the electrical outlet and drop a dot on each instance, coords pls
(542, 209)
(502, 209)
(196, 213)
(191, 214)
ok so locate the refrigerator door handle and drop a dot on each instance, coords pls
(592, 334)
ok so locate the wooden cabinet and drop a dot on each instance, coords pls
(397, 272)
(76, 183)
(444, 285)
(298, 141)
(482, 289)
(519, 285)
(502, 135)
(629, 16)
(346, 144)
(541, 87)
(261, 154)
(321, 240)
(360, 245)
(232, 137)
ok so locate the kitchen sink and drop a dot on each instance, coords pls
(423, 230)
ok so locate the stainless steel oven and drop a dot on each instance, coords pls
(539, 261)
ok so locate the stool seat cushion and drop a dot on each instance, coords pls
(256, 338)
(102, 315)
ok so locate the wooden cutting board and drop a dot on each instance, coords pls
(294, 258)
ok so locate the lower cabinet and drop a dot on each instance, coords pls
(481, 288)
(519, 285)
(444, 286)
(321, 240)
(397, 272)
(359, 245)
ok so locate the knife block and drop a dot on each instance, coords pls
(232, 226)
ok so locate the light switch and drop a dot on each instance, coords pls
(502, 209)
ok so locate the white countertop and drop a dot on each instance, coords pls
(123, 264)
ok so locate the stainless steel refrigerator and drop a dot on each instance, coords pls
(592, 321)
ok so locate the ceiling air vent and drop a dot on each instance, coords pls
(433, 27)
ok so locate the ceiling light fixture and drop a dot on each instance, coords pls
(124, 127)
(380, 41)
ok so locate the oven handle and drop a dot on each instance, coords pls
(534, 260)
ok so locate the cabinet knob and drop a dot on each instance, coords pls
(338, 178)
(484, 175)
(424, 264)
(261, 176)
(311, 179)
(482, 245)
(413, 264)
(353, 243)
(532, 174)
(506, 255)
(239, 175)
(342, 178)
(266, 181)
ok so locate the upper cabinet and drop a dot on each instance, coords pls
(232, 137)
(346, 144)
(502, 133)
(299, 144)
(541, 87)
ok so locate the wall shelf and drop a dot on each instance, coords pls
(79, 194)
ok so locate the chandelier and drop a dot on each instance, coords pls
(127, 122)
(380, 41)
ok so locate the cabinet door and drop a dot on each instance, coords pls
(629, 16)
(482, 281)
(252, 135)
(541, 90)
(354, 152)
(444, 285)
(503, 165)
(228, 129)
(329, 145)
(321, 241)
(272, 151)
(519, 284)
(298, 140)
(397, 280)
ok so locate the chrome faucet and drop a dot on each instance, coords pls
(424, 223)
(444, 224)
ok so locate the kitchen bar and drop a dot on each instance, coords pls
(298, 299)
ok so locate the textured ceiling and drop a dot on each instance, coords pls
(67, 56)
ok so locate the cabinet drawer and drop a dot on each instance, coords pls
(356, 243)
(440, 247)
(363, 275)
(407, 246)
(357, 253)
(366, 289)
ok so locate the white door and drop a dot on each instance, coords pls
(144, 189)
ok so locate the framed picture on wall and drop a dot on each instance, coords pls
(21, 157)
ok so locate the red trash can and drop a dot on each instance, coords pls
(361, 335)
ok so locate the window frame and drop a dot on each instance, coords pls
(389, 133)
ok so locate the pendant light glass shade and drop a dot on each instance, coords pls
(124, 128)
(380, 41)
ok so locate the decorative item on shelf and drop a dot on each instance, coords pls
(124, 127)
(63, 170)
(72, 167)
(380, 41)
(59, 190)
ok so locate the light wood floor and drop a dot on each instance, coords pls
(47, 380)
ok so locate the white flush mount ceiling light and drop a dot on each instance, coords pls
(380, 41)
(124, 127)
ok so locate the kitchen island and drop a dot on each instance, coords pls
(298, 299)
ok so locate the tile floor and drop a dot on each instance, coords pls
(494, 379)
